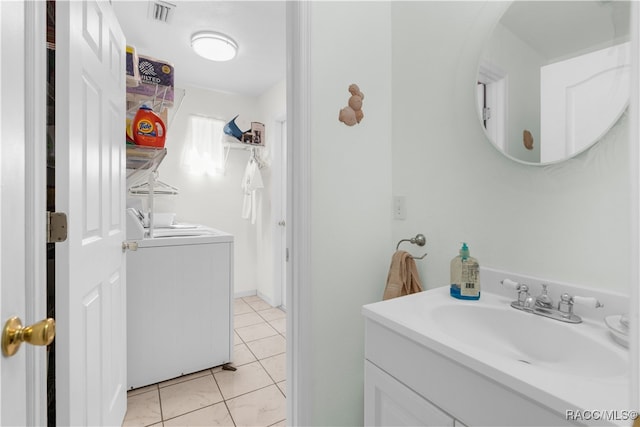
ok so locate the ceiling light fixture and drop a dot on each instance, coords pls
(214, 46)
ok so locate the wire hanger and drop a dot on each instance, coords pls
(159, 188)
(256, 158)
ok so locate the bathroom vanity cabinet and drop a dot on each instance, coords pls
(388, 402)
(433, 360)
(408, 384)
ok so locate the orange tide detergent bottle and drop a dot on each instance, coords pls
(148, 128)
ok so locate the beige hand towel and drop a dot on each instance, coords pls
(403, 276)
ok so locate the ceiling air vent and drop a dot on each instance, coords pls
(160, 11)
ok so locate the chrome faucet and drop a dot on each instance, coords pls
(544, 300)
(543, 304)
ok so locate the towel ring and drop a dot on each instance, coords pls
(419, 240)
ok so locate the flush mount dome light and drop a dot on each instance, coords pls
(214, 46)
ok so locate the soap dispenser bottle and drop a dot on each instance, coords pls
(465, 276)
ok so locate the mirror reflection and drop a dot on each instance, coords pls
(554, 77)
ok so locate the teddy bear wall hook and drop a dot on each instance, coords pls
(352, 113)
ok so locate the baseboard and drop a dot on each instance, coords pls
(266, 299)
(244, 294)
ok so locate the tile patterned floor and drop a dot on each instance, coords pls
(254, 395)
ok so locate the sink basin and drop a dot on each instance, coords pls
(530, 339)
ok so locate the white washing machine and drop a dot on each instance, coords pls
(179, 303)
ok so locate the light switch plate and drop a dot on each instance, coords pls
(399, 207)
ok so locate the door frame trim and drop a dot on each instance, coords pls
(299, 310)
(36, 203)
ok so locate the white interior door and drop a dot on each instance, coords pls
(12, 203)
(22, 202)
(90, 182)
(581, 99)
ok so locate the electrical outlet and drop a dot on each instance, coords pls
(399, 207)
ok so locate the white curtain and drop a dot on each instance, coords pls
(203, 151)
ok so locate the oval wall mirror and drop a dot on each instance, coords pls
(554, 77)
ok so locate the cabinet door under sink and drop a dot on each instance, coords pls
(388, 402)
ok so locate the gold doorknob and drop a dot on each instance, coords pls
(13, 334)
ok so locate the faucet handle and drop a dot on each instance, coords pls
(587, 301)
(523, 292)
(565, 305)
(511, 284)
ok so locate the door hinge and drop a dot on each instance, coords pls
(129, 246)
(287, 255)
(486, 113)
(56, 227)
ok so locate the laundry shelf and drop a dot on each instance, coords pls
(141, 162)
(142, 176)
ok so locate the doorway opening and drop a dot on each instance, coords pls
(492, 102)
(279, 214)
(51, 205)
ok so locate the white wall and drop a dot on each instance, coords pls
(350, 198)
(217, 201)
(416, 62)
(569, 222)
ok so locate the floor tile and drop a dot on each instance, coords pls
(279, 325)
(143, 409)
(215, 415)
(240, 320)
(282, 423)
(272, 314)
(242, 355)
(276, 366)
(263, 407)
(188, 396)
(259, 305)
(184, 378)
(282, 385)
(252, 298)
(241, 307)
(255, 332)
(247, 378)
(267, 347)
(236, 338)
